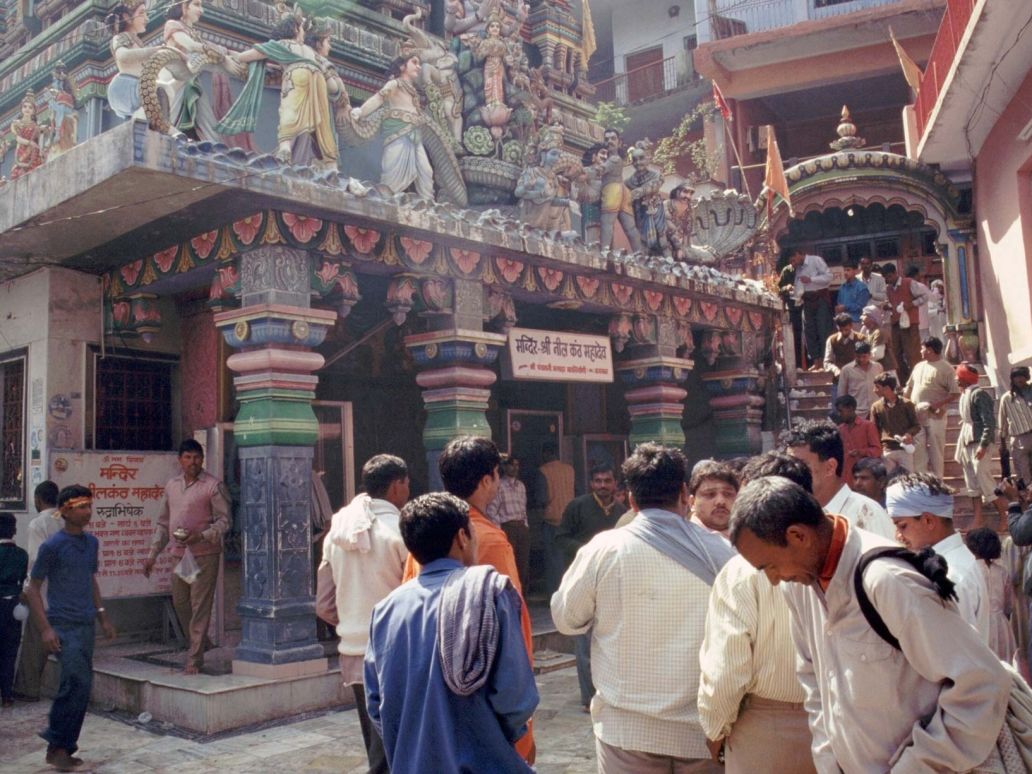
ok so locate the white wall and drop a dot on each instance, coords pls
(638, 26)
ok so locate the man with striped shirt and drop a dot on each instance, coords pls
(1015, 420)
(750, 699)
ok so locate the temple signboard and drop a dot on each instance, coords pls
(557, 356)
(127, 489)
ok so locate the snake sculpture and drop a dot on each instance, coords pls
(154, 95)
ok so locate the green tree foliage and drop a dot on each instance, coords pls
(609, 115)
(677, 145)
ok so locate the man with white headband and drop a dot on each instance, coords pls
(921, 506)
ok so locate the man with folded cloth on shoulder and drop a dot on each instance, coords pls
(448, 680)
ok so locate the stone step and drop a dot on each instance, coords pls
(550, 660)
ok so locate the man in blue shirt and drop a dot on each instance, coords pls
(447, 678)
(68, 562)
(853, 294)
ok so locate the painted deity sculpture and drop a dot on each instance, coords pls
(647, 202)
(541, 205)
(29, 138)
(126, 23)
(497, 57)
(309, 90)
(590, 192)
(678, 222)
(438, 77)
(616, 198)
(61, 99)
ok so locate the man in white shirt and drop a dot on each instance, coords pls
(819, 445)
(812, 292)
(921, 506)
(363, 561)
(750, 700)
(33, 658)
(932, 386)
(645, 657)
(921, 289)
(937, 703)
(875, 282)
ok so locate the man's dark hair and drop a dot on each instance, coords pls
(822, 438)
(8, 525)
(984, 543)
(1016, 372)
(550, 449)
(889, 268)
(380, 472)
(768, 506)
(190, 445)
(933, 343)
(842, 320)
(712, 470)
(429, 524)
(610, 129)
(774, 463)
(46, 493)
(886, 380)
(851, 264)
(465, 461)
(601, 468)
(874, 465)
(847, 401)
(912, 271)
(71, 492)
(933, 483)
(655, 475)
(863, 348)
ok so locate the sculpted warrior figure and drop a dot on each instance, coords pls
(404, 160)
(590, 192)
(647, 202)
(541, 204)
(616, 199)
(310, 86)
(126, 22)
(61, 98)
(28, 138)
(438, 75)
(679, 221)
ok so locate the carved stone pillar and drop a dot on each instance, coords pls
(455, 361)
(652, 377)
(275, 330)
(963, 311)
(737, 402)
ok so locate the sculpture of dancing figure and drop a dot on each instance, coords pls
(438, 76)
(29, 138)
(647, 201)
(616, 199)
(61, 98)
(679, 221)
(184, 55)
(126, 22)
(310, 85)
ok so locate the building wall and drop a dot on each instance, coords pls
(640, 26)
(1003, 207)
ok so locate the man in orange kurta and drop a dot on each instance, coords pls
(469, 470)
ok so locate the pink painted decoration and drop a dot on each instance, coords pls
(416, 249)
(362, 239)
(247, 228)
(302, 227)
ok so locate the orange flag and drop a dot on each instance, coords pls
(774, 177)
(911, 70)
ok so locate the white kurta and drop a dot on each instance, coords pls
(861, 511)
(972, 593)
(935, 705)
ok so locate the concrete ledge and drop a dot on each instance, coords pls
(206, 704)
(280, 671)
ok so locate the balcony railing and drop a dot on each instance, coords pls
(721, 19)
(649, 82)
(944, 50)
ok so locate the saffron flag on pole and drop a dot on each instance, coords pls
(588, 42)
(721, 103)
(911, 70)
(774, 180)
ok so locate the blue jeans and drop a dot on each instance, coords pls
(582, 650)
(553, 557)
(73, 696)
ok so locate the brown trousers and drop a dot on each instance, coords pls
(193, 602)
(614, 760)
(769, 736)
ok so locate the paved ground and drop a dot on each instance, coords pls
(331, 742)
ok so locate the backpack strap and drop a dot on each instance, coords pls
(927, 562)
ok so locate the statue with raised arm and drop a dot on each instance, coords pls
(590, 192)
(679, 222)
(647, 201)
(309, 90)
(184, 55)
(62, 97)
(438, 78)
(127, 22)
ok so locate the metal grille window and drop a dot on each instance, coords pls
(12, 430)
(134, 404)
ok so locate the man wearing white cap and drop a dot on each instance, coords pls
(921, 506)
(871, 327)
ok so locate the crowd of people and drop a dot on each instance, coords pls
(807, 609)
